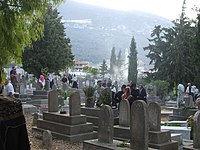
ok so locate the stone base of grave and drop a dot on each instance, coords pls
(162, 140)
(190, 148)
(70, 128)
(122, 133)
(92, 115)
(95, 145)
(180, 114)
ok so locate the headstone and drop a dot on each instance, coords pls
(22, 88)
(74, 104)
(47, 139)
(154, 116)
(124, 113)
(196, 131)
(139, 125)
(188, 101)
(65, 86)
(35, 118)
(54, 87)
(80, 83)
(105, 131)
(47, 85)
(53, 101)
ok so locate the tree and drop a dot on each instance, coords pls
(103, 68)
(18, 27)
(171, 51)
(196, 53)
(132, 66)
(112, 62)
(91, 70)
(52, 51)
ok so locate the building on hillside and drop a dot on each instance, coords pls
(79, 65)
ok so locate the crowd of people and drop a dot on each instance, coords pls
(190, 90)
(128, 92)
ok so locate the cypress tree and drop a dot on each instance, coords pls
(132, 66)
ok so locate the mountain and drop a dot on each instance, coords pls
(95, 30)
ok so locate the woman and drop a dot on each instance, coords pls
(127, 95)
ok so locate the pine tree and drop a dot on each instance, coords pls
(53, 51)
(103, 68)
(132, 67)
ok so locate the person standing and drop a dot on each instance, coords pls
(190, 90)
(98, 90)
(8, 89)
(127, 95)
(14, 79)
(143, 93)
(118, 96)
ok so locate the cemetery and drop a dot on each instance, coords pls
(141, 126)
(65, 93)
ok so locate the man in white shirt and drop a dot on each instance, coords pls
(8, 89)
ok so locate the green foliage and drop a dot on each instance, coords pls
(103, 68)
(19, 25)
(52, 51)
(44, 71)
(105, 97)
(162, 87)
(123, 144)
(132, 67)
(174, 51)
(89, 91)
(87, 69)
(91, 70)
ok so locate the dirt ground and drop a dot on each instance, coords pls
(35, 139)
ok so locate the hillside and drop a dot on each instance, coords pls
(94, 30)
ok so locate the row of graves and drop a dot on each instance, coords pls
(138, 127)
(102, 128)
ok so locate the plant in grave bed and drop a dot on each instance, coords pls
(89, 94)
(105, 97)
(123, 144)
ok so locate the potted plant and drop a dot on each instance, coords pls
(89, 94)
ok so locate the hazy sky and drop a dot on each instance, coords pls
(169, 9)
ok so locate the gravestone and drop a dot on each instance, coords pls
(65, 86)
(158, 139)
(47, 139)
(154, 116)
(124, 114)
(122, 131)
(139, 125)
(54, 87)
(35, 118)
(196, 132)
(72, 127)
(53, 101)
(105, 132)
(47, 85)
(74, 104)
